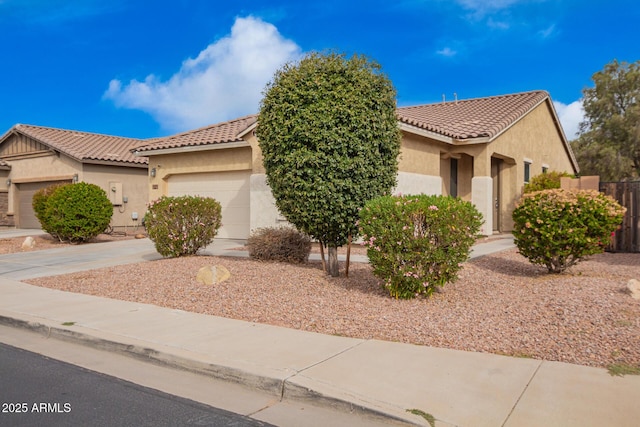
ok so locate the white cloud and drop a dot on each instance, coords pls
(570, 115)
(447, 51)
(547, 32)
(224, 81)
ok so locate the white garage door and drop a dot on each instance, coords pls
(231, 189)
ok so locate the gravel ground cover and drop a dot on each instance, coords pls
(501, 303)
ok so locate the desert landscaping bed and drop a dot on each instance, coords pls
(501, 303)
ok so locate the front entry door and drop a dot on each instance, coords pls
(496, 167)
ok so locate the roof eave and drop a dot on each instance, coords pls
(471, 141)
(405, 127)
(191, 148)
(248, 129)
(565, 141)
(114, 163)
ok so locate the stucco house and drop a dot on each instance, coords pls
(483, 150)
(33, 157)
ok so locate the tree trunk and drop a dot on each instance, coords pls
(334, 269)
(346, 267)
(324, 263)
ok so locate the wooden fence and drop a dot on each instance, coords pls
(627, 238)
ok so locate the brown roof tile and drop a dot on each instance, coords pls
(85, 146)
(472, 118)
(214, 134)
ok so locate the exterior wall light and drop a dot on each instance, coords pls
(75, 179)
(153, 172)
(9, 182)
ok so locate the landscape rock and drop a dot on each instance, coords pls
(633, 288)
(29, 243)
(140, 236)
(212, 274)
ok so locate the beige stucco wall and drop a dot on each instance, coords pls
(42, 167)
(535, 139)
(135, 188)
(49, 167)
(423, 167)
(264, 212)
(256, 153)
(52, 167)
(216, 160)
(419, 155)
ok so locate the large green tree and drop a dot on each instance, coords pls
(609, 141)
(330, 141)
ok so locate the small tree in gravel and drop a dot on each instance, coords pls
(330, 141)
(559, 228)
(182, 225)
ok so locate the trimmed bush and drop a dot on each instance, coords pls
(559, 228)
(285, 244)
(418, 243)
(74, 212)
(39, 203)
(545, 181)
(182, 225)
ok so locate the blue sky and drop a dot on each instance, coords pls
(148, 68)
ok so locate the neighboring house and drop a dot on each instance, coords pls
(34, 157)
(483, 150)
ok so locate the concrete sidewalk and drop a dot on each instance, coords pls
(456, 388)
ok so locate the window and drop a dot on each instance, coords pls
(545, 168)
(527, 171)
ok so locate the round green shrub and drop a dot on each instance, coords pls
(418, 243)
(182, 225)
(39, 203)
(545, 181)
(558, 228)
(284, 244)
(76, 212)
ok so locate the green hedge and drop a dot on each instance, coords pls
(545, 181)
(39, 203)
(73, 212)
(182, 225)
(418, 243)
(558, 228)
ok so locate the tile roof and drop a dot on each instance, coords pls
(84, 146)
(214, 134)
(463, 119)
(472, 118)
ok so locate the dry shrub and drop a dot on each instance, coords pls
(285, 244)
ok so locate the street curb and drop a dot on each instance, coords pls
(284, 390)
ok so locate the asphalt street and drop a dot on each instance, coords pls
(39, 391)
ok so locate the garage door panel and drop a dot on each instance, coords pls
(230, 189)
(26, 215)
